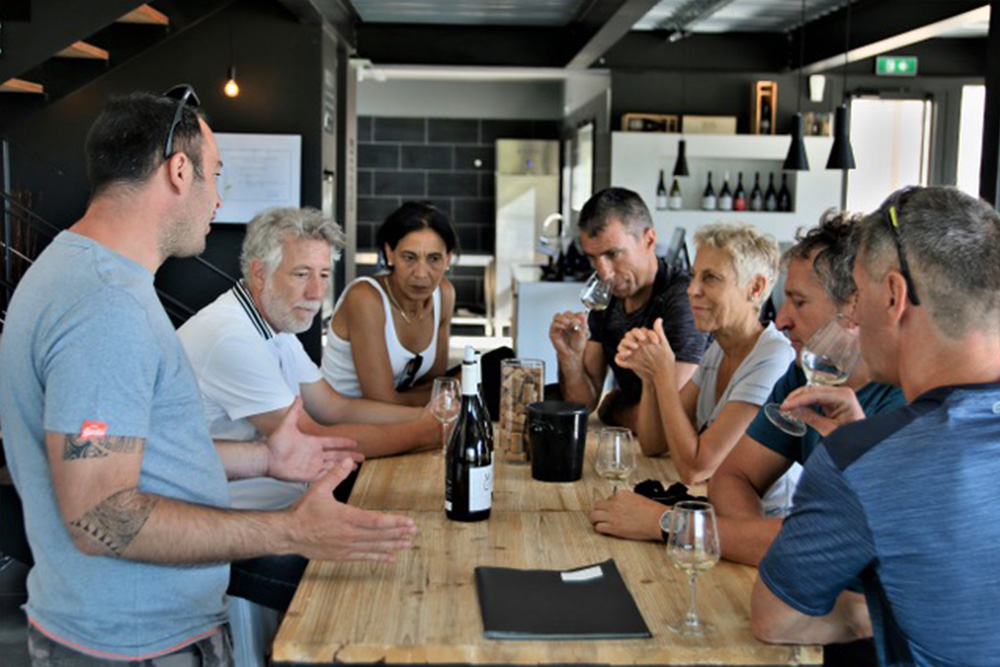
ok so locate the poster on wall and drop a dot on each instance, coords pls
(258, 171)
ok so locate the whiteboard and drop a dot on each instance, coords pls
(258, 171)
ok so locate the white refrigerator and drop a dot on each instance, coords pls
(527, 192)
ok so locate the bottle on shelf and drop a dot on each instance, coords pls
(765, 116)
(756, 195)
(784, 195)
(709, 201)
(770, 195)
(740, 196)
(468, 490)
(725, 195)
(661, 194)
(675, 201)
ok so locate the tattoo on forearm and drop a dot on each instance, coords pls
(94, 448)
(115, 521)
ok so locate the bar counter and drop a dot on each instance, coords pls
(423, 609)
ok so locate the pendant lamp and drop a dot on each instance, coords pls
(681, 164)
(842, 154)
(796, 159)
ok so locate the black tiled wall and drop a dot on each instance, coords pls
(433, 159)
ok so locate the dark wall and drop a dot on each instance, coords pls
(280, 72)
(433, 159)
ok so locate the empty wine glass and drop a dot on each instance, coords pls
(693, 548)
(828, 358)
(615, 455)
(446, 400)
(596, 293)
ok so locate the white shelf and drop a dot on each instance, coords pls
(636, 159)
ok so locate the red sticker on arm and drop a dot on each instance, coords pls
(93, 430)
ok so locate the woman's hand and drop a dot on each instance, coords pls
(646, 352)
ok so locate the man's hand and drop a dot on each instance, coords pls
(325, 529)
(569, 335)
(629, 515)
(294, 456)
(840, 406)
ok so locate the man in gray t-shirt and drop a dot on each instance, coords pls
(124, 494)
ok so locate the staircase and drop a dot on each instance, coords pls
(59, 51)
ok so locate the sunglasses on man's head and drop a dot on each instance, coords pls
(890, 214)
(409, 373)
(185, 96)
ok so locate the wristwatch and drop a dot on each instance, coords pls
(665, 524)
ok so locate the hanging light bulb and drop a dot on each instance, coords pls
(796, 159)
(842, 154)
(231, 89)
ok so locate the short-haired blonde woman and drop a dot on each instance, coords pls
(734, 270)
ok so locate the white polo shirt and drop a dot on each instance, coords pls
(243, 368)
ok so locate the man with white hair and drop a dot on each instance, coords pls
(251, 367)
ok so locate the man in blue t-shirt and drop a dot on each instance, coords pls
(906, 500)
(818, 285)
(123, 492)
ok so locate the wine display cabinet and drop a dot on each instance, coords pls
(636, 160)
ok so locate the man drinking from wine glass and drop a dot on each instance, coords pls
(906, 500)
(818, 285)
(617, 234)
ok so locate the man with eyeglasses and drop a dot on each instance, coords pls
(906, 500)
(124, 494)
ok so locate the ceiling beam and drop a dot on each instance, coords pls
(898, 41)
(614, 28)
(338, 14)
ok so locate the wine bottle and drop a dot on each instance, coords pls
(740, 196)
(675, 201)
(770, 195)
(756, 195)
(725, 195)
(468, 489)
(661, 194)
(784, 195)
(765, 116)
(708, 200)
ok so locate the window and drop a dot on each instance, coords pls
(970, 138)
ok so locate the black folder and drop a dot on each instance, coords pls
(545, 604)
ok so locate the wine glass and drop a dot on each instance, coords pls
(445, 402)
(615, 455)
(828, 358)
(596, 293)
(693, 548)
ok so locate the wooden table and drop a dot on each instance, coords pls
(424, 609)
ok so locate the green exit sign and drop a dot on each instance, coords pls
(896, 65)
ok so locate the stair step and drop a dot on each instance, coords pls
(21, 86)
(83, 51)
(145, 15)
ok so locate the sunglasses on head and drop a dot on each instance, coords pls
(890, 214)
(185, 96)
(409, 373)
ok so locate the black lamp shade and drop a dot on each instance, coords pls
(681, 165)
(796, 159)
(841, 155)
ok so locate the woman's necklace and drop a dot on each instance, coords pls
(409, 319)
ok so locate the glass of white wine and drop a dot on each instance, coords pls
(828, 358)
(615, 456)
(693, 548)
(446, 400)
(596, 293)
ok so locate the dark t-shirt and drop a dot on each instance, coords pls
(669, 301)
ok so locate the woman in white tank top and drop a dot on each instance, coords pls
(388, 337)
